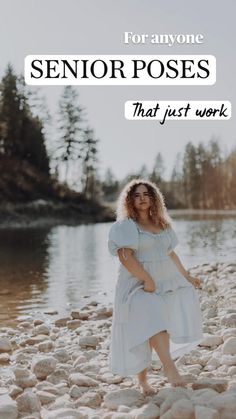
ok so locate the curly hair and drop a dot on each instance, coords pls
(125, 205)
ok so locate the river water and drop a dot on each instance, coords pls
(65, 267)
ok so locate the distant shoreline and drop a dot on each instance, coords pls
(203, 211)
(42, 213)
(46, 213)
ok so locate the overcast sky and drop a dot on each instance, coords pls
(97, 27)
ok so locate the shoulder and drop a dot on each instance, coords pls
(124, 226)
(172, 238)
(123, 233)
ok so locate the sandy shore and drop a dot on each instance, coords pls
(57, 367)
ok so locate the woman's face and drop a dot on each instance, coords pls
(142, 201)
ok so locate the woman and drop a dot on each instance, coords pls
(155, 298)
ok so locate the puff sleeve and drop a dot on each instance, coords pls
(172, 240)
(123, 233)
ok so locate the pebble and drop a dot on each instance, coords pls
(8, 407)
(5, 345)
(202, 412)
(28, 402)
(90, 399)
(215, 384)
(183, 409)
(229, 347)
(88, 342)
(4, 358)
(148, 411)
(211, 340)
(127, 397)
(82, 380)
(43, 366)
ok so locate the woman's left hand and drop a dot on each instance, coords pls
(196, 282)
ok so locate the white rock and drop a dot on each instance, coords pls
(217, 384)
(63, 413)
(117, 415)
(82, 380)
(45, 397)
(202, 412)
(24, 377)
(51, 311)
(228, 359)
(62, 322)
(4, 358)
(75, 392)
(43, 366)
(169, 392)
(229, 320)
(33, 340)
(58, 376)
(203, 396)
(225, 404)
(183, 409)
(15, 391)
(148, 411)
(5, 345)
(103, 312)
(90, 399)
(88, 341)
(41, 329)
(78, 314)
(20, 372)
(211, 340)
(25, 325)
(91, 366)
(227, 333)
(46, 346)
(28, 402)
(27, 382)
(62, 355)
(111, 378)
(123, 409)
(167, 415)
(127, 397)
(73, 324)
(229, 347)
(214, 361)
(80, 360)
(232, 370)
(232, 385)
(37, 322)
(8, 408)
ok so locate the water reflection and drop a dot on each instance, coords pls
(58, 267)
(207, 240)
(23, 265)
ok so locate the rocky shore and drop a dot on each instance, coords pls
(54, 367)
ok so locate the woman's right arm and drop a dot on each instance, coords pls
(129, 261)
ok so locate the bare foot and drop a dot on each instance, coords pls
(173, 375)
(146, 389)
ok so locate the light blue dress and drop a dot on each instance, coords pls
(138, 314)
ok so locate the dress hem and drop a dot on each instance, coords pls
(133, 371)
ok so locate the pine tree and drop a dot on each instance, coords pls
(110, 185)
(143, 172)
(21, 134)
(158, 170)
(70, 129)
(191, 178)
(10, 115)
(88, 154)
